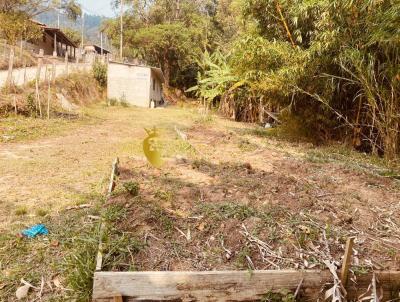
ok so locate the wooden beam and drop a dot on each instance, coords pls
(201, 286)
(227, 285)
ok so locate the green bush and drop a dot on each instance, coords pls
(99, 70)
(30, 104)
(112, 102)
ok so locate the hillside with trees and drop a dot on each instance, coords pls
(92, 25)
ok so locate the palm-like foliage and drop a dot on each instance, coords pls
(215, 77)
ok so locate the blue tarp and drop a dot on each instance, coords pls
(39, 229)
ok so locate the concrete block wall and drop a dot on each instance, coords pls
(129, 83)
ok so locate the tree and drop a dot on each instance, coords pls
(172, 46)
(33, 8)
(16, 26)
(73, 35)
(15, 17)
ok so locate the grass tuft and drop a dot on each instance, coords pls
(41, 212)
(21, 211)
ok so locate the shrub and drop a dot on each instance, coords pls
(112, 102)
(30, 104)
(123, 102)
(99, 70)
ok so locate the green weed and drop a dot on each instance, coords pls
(227, 210)
(241, 258)
(246, 146)
(161, 217)
(112, 102)
(132, 188)
(281, 296)
(204, 119)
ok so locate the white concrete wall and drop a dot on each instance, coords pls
(129, 83)
(30, 72)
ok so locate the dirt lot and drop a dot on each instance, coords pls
(234, 197)
(240, 200)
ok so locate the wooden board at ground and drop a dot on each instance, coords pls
(225, 285)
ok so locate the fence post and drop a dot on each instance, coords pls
(39, 65)
(10, 66)
(38, 72)
(48, 99)
(24, 71)
(66, 62)
(53, 72)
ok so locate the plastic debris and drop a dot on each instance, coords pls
(39, 229)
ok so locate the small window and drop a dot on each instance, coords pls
(154, 84)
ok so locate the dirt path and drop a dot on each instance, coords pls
(50, 174)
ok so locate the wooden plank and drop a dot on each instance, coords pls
(118, 298)
(203, 286)
(111, 187)
(347, 260)
(114, 173)
(99, 258)
(228, 285)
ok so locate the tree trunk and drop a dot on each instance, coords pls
(166, 71)
(261, 111)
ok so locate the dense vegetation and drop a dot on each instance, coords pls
(331, 68)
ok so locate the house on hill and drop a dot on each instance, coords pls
(137, 85)
(53, 42)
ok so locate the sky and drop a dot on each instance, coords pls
(98, 7)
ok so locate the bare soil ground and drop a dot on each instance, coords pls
(234, 198)
(240, 200)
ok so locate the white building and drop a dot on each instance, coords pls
(135, 84)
